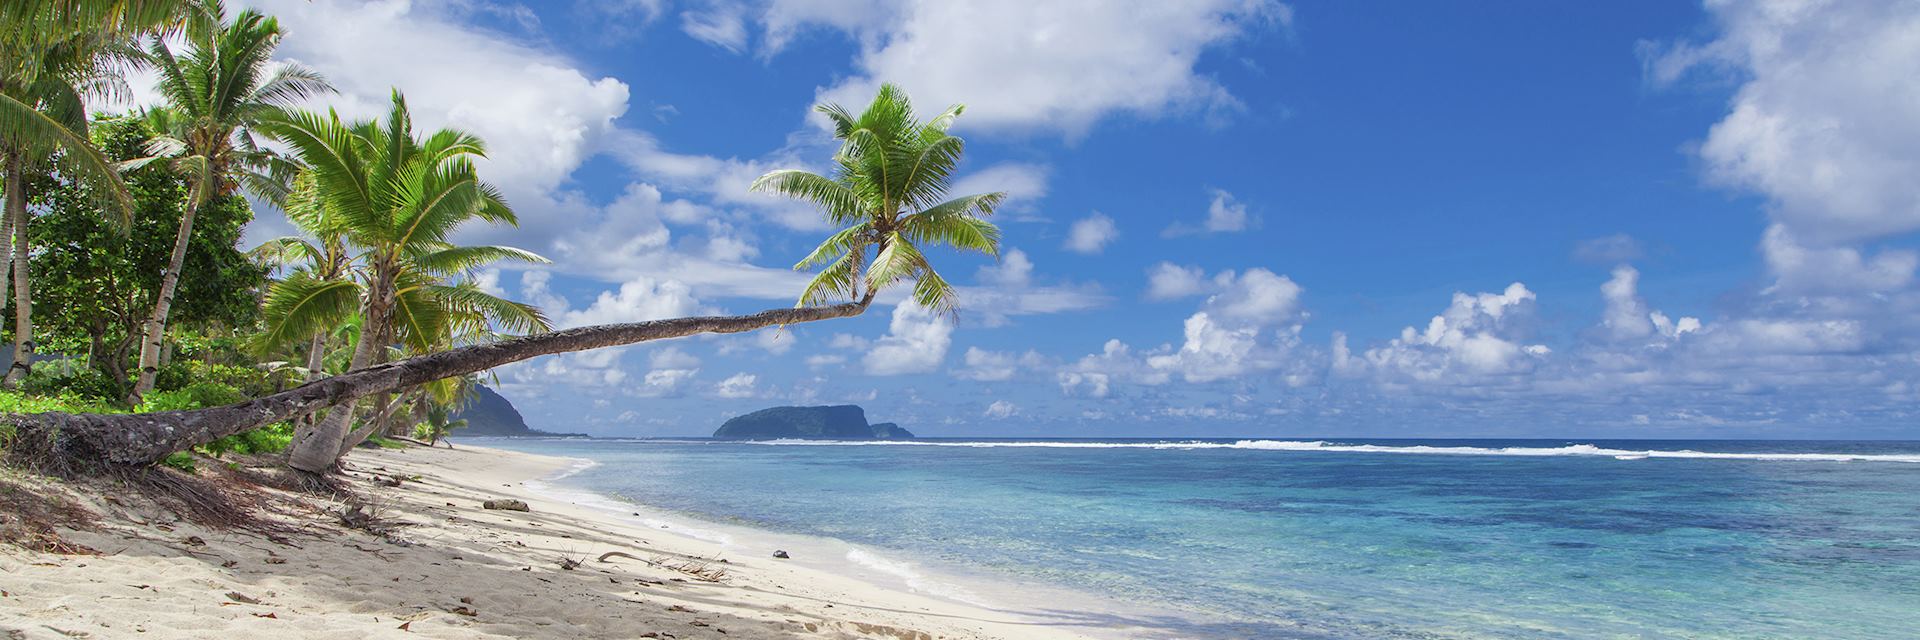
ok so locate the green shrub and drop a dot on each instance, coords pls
(67, 402)
(70, 378)
(250, 381)
(198, 395)
(181, 374)
(273, 438)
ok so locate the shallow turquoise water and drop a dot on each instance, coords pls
(1359, 539)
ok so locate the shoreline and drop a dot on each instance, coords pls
(452, 569)
(882, 569)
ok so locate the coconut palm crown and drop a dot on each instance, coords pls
(889, 195)
(396, 198)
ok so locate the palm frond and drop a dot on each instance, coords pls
(849, 240)
(462, 259)
(839, 281)
(303, 306)
(513, 317)
(840, 203)
(932, 292)
(421, 320)
(20, 121)
(956, 223)
(286, 251)
(899, 260)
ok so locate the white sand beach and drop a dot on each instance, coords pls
(454, 570)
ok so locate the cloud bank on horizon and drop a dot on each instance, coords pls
(1143, 289)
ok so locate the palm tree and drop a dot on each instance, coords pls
(316, 265)
(54, 55)
(43, 124)
(217, 93)
(398, 198)
(891, 177)
(48, 42)
(881, 207)
(435, 405)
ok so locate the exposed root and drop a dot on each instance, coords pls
(218, 498)
(31, 520)
(221, 502)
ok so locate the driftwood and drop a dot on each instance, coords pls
(60, 441)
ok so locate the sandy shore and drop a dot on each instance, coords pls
(456, 570)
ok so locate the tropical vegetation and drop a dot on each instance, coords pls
(216, 94)
(159, 340)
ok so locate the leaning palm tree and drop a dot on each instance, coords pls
(398, 198)
(881, 205)
(217, 93)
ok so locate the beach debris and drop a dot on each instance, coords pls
(619, 554)
(569, 564)
(465, 611)
(506, 504)
(242, 598)
(780, 554)
(370, 516)
(699, 568)
(196, 541)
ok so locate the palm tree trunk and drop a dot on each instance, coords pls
(316, 446)
(377, 423)
(65, 441)
(419, 412)
(316, 352)
(16, 213)
(23, 345)
(156, 329)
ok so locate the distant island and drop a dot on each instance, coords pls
(490, 414)
(840, 422)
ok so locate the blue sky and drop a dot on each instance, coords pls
(1642, 219)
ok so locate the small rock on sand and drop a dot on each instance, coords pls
(505, 504)
(780, 554)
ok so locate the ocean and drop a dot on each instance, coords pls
(1327, 539)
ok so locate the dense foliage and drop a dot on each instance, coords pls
(94, 283)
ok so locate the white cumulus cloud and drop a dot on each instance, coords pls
(1091, 234)
(916, 342)
(1037, 66)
